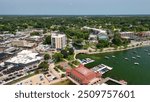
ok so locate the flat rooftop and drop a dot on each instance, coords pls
(57, 35)
(24, 57)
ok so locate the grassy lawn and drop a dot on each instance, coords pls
(70, 57)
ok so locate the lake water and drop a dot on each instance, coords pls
(123, 64)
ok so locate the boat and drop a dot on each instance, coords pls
(136, 63)
(106, 57)
(113, 56)
(126, 58)
(138, 56)
(133, 57)
(134, 51)
(146, 50)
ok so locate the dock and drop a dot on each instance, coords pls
(102, 68)
(86, 61)
(110, 81)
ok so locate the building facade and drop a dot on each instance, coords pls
(58, 41)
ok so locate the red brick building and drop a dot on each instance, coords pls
(83, 75)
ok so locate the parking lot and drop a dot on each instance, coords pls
(34, 80)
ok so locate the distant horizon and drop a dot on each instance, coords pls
(74, 7)
(74, 15)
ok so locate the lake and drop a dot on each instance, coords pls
(131, 65)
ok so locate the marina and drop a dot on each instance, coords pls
(129, 66)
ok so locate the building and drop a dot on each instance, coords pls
(83, 76)
(24, 58)
(95, 30)
(44, 48)
(144, 35)
(22, 43)
(93, 38)
(129, 35)
(58, 41)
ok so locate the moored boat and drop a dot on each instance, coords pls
(136, 63)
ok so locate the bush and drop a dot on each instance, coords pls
(35, 34)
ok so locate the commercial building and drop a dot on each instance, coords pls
(58, 41)
(83, 76)
(24, 58)
(22, 43)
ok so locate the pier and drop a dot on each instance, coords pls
(101, 68)
(110, 81)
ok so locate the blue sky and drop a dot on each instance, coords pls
(74, 7)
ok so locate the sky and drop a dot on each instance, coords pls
(74, 7)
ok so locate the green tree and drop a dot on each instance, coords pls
(64, 53)
(71, 51)
(117, 40)
(102, 44)
(47, 40)
(58, 57)
(44, 65)
(46, 56)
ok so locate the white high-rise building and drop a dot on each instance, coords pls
(58, 41)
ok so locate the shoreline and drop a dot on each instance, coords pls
(112, 49)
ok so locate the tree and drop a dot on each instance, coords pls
(78, 43)
(47, 40)
(117, 40)
(64, 53)
(71, 51)
(44, 65)
(102, 44)
(58, 57)
(46, 56)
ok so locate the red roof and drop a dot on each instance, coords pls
(84, 73)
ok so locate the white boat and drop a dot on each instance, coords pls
(133, 57)
(106, 57)
(146, 50)
(136, 63)
(138, 56)
(113, 56)
(134, 51)
(126, 58)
